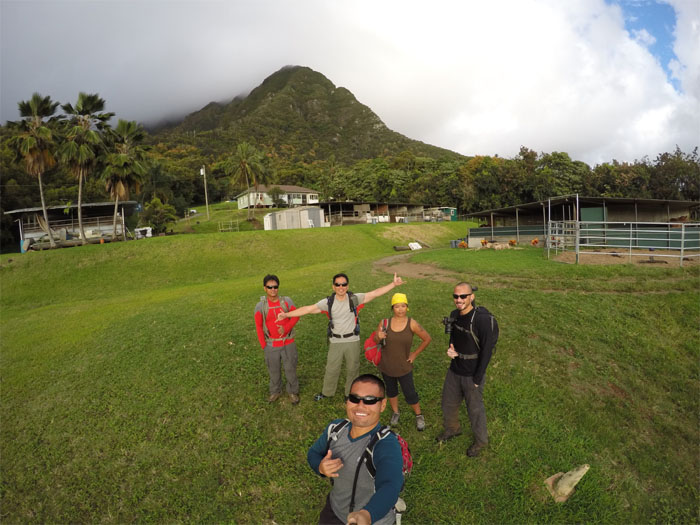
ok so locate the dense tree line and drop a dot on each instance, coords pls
(93, 162)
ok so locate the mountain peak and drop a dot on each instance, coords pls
(299, 107)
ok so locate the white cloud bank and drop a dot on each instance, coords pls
(475, 77)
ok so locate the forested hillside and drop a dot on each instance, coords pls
(298, 128)
(296, 114)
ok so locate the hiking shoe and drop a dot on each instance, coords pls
(319, 396)
(294, 398)
(394, 419)
(446, 436)
(273, 397)
(474, 450)
(420, 422)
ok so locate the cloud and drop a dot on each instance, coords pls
(476, 77)
(643, 37)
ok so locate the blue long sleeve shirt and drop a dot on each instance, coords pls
(378, 499)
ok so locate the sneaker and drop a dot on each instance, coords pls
(420, 422)
(446, 436)
(394, 419)
(474, 450)
(273, 397)
(294, 398)
(319, 396)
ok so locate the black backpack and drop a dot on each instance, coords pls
(355, 308)
(478, 310)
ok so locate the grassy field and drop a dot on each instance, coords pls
(220, 212)
(133, 387)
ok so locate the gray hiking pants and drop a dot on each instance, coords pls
(455, 389)
(275, 358)
(334, 362)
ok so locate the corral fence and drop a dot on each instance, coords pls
(229, 226)
(632, 239)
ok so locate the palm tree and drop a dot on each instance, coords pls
(83, 141)
(246, 164)
(34, 143)
(125, 163)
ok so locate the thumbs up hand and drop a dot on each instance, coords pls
(329, 467)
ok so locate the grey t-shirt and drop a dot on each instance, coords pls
(343, 318)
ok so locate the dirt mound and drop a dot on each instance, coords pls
(401, 234)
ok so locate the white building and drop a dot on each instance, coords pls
(300, 217)
(290, 195)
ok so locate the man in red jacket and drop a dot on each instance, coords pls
(277, 339)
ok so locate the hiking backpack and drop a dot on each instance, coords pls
(355, 308)
(265, 309)
(367, 457)
(373, 349)
(478, 310)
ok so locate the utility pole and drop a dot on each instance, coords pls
(206, 196)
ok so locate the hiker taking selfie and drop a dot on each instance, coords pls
(359, 495)
(396, 364)
(342, 308)
(473, 336)
(276, 338)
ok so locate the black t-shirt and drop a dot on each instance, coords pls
(464, 344)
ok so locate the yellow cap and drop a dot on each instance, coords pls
(399, 298)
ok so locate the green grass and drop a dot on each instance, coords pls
(220, 212)
(133, 388)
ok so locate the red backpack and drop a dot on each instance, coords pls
(373, 350)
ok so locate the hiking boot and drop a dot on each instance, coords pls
(294, 398)
(420, 422)
(394, 419)
(319, 396)
(273, 397)
(474, 450)
(446, 436)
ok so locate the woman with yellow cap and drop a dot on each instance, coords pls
(396, 365)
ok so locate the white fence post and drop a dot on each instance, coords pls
(682, 242)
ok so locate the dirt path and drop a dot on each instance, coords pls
(401, 265)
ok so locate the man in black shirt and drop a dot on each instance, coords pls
(472, 340)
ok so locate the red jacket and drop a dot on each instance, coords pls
(278, 331)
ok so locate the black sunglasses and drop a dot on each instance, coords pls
(367, 400)
(272, 287)
(340, 284)
(460, 295)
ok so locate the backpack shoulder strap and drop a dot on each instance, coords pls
(284, 303)
(383, 432)
(264, 310)
(355, 308)
(329, 300)
(479, 310)
(367, 458)
(354, 301)
(334, 431)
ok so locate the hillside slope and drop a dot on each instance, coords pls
(301, 109)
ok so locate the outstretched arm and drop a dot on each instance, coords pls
(384, 289)
(308, 309)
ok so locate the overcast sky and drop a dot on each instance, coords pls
(599, 80)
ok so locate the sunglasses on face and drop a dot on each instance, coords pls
(272, 287)
(340, 284)
(367, 400)
(460, 295)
